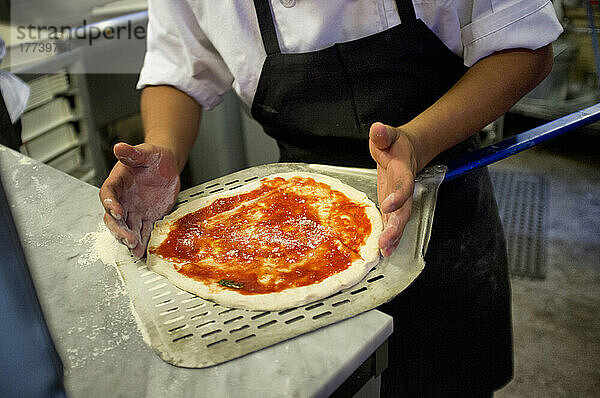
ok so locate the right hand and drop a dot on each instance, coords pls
(396, 157)
(140, 189)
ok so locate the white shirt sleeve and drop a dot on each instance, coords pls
(180, 55)
(502, 24)
(13, 90)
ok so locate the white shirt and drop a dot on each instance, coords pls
(206, 47)
(14, 91)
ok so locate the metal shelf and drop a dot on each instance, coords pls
(62, 76)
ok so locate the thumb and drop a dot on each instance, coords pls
(129, 155)
(382, 136)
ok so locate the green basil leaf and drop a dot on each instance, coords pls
(231, 284)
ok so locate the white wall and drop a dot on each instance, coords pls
(229, 140)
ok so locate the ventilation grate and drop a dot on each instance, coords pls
(523, 201)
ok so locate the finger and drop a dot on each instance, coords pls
(140, 249)
(390, 237)
(389, 248)
(111, 191)
(147, 226)
(382, 136)
(120, 231)
(112, 206)
(397, 198)
(390, 234)
(129, 155)
(377, 135)
(134, 222)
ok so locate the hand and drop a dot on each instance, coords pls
(395, 154)
(141, 188)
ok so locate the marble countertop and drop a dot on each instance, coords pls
(89, 315)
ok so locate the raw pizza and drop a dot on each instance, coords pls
(276, 243)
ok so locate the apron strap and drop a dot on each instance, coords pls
(406, 11)
(267, 27)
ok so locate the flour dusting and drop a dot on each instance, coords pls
(105, 325)
(25, 160)
(102, 246)
(37, 229)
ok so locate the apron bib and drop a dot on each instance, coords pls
(452, 331)
(311, 102)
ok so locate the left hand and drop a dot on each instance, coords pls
(141, 188)
(396, 156)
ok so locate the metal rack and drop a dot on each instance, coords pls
(57, 126)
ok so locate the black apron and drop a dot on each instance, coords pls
(10, 134)
(452, 330)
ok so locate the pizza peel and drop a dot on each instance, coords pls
(188, 331)
(192, 332)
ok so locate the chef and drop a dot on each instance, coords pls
(364, 83)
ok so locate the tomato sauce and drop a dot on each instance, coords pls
(278, 236)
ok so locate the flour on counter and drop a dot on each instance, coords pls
(35, 226)
(26, 160)
(109, 318)
(102, 246)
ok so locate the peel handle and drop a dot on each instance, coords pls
(520, 142)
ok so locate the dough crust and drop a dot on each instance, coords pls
(288, 298)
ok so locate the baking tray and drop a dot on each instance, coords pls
(188, 331)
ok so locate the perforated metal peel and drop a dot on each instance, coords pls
(188, 331)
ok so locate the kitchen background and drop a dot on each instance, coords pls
(82, 103)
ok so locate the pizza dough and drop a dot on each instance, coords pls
(280, 242)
